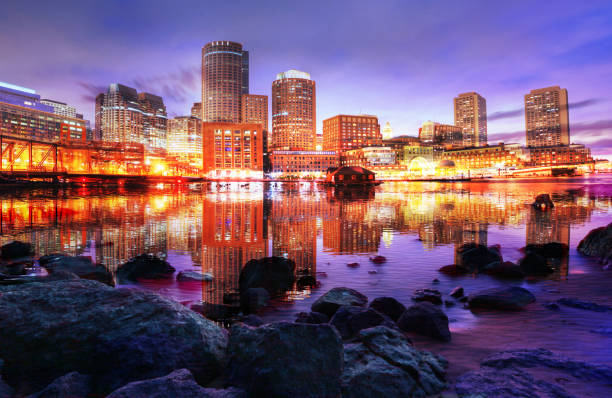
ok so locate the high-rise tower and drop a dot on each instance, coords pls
(471, 116)
(547, 117)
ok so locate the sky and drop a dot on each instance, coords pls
(403, 61)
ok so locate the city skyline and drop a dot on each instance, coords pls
(404, 87)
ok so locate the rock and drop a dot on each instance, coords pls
(114, 335)
(5, 390)
(476, 257)
(507, 269)
(453, 270)
(251, 320)
(504, 298)
(15, 249)
(14, 269)
(329, 303)
(431, 295)
(352, 265)
(275, 274)
(543, 202)
(312, 317)
(349, 320)
(583, 305)
(285, 360)
(254, 298)
(449, 303)
(70, 385)
(81, 266)
(457, 292)
(435, 281)
(385, 364)
(378, 259)
(178, 384)
(215, 311)
(193, 276)
(388, 306)
(145, 266)
(598, 243)
(548, 250)
(534, 264)
(463, 299)
(372, 272)
(552, 306)
(306, 281)
(425, 319)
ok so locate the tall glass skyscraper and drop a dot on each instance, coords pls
(471, 116)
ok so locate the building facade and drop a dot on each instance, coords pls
(387, 131)
(559, 155)
(369, 157)
(225, 67)
(185, 139)
(441, 135)
(500, 156)
(61, 108)
(547, 117)
(254, 109)
(154, 121)
(347, 132)
(196, 110)
(293, 111)
(398, 144)
(471, 116)
(302, 163)
(23, 97)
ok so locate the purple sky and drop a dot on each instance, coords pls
(403, 61)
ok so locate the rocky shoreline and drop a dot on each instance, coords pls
(72, 334)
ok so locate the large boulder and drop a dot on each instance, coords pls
(15, 249)
(311, 317)
(349, 320)
(115, 335)
(548, 250)
(426, 319)
(431, 295)
(476, 257)
(384, 364)
(583, 305)
(275, 274)
(81, 266)
(216, 312)
(388, 306)
(598, 243)
(543, 202)
(534, 264)
(253, 299)
(178, 384)
(329, 303)
(505, 298)
(145, 266)
(507, 269)
(285, 360)
(71, 385)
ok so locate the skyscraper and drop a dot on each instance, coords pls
(196, 110)
(154, 121)
(185, 139)
(293, 111)
(255, 109)
(471, 116)
(225, 70)
(547, 117)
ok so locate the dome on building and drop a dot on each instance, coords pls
(387, 131)
(446, 164)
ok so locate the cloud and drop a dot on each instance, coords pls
(518, 112)
(175, 86)
(91, 91)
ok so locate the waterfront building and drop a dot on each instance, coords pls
(196, 110)
(346, 132)
(232, 150)
(441, 135)
(293, 111)
(494, 157)
(387, 132)
(369, 157)
(185, 139)
(547, 117)
(302, 163)
(61, 108)
(559, 155)
(225, 69)
(398, 143)
(471, 116)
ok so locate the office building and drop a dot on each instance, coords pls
(441, 135)
(369, 157)
(471, 116)
(490, 157)
(398, 144)
(22, 96)
(185, 139)
(196, 110)
(61, 108)
(559, 155)
(346, 132)
(547, 117)
(293, 111)
(225, 67)
(254, 109)
(154, 121)
(302, 163)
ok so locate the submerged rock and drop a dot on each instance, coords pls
(329, 302)
(81, 266)
(505, 298)
(145, 266)
(349, 320)
(254, 299)
(431, 295)
(476, 257)
(388, 306)
(193, 276)
(598, 243)
(507, 269)
(583, 305)
(534, 264)
(453, 270)
(457, 292)
(15, 249)
(378, 259)
(71, 385)
(285, 360)
(425, 319)
(114, 335)
(312, 317)
(275, 274)
(543, 202)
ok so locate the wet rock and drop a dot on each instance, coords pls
(534, 264)
(285, 360)
(275, 274)
(384, 364)
(505, 298)
(453, 270)
(378, 259)
(372, 272)
(253, 299)
(476, 257)
(329, 303)
(70, 385)
(15, 249)
(431, 295)
(349, 320)
(388, 306)
(81, 266)
(13, 269)
(583, 305)
(435, 281)
(215, 311)
(193, 276)
(251, 320)
(145, 266)
(507, 269)
(548, 250)
(552, 306)
(449, 303)
(543, 202)
(598, 243)
(352, 265)
(114, 335)
(425, 319)
(305, 281)
(311, 317)
(457, 292)
(178, 384)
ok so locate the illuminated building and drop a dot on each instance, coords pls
(23, 97)
(225, 69)
(232, 150)
(196, 110)
(124, 116)
(319, 146)
(547, 117)
(61, 108)
(471, 116)
(398, 144)
(293, 111)
(295, 163)
(559, 155)
(345, 132)
(488, 157)
(185, 139)
(387, 131)
(441, 135)
(369, 156)
(255, 110)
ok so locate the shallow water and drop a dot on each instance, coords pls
(217, 228)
